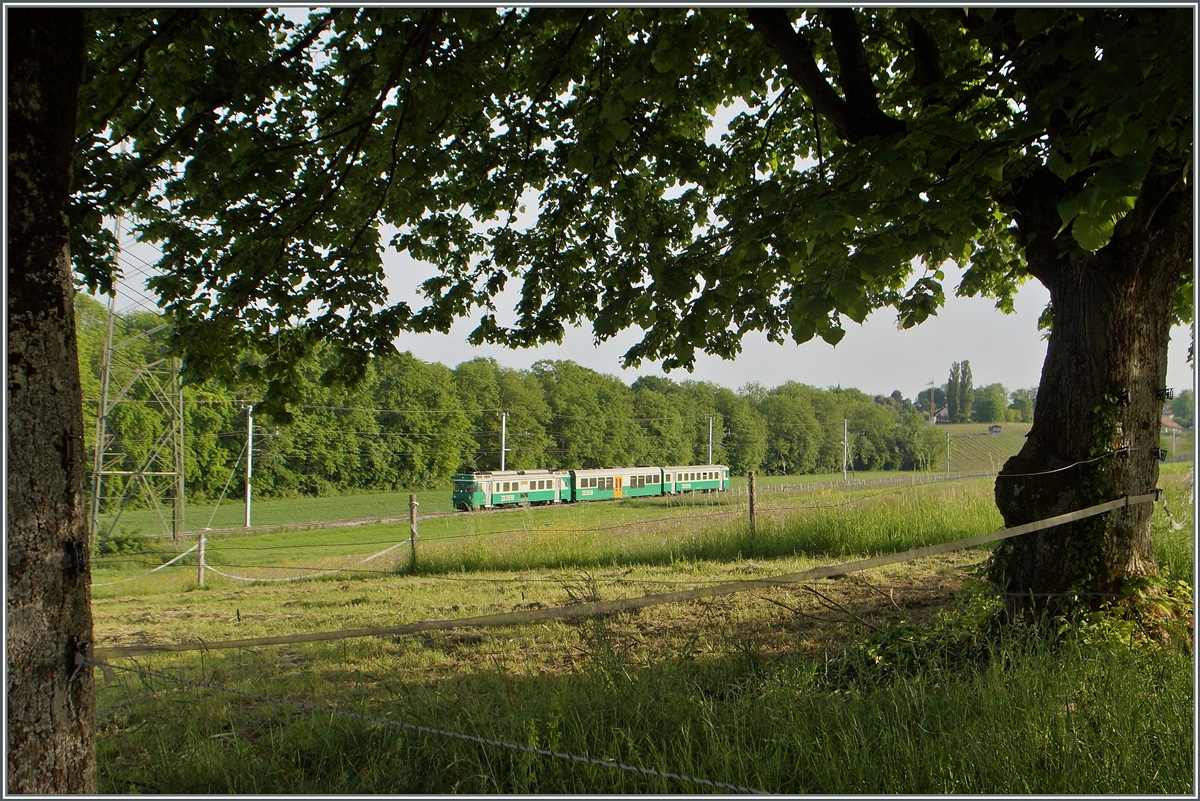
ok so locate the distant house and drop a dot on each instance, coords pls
(1170, 425)
(994, 430)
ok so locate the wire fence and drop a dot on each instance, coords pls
(420, 729)
(639, 602)
(635, 525)
(101, 658)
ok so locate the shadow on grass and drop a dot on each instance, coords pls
(1030, 717)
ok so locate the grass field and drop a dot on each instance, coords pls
(301, 510)
(884, 682)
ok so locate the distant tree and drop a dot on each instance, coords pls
(966, 394)
(746, 432)
(895, 401)
(921, 403)
(954, 393)
(928, 446)
(793, 434)
(668, 437)
(1022, 404)
(991, 403)
(1184, 408)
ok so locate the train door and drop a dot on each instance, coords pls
(617, 486)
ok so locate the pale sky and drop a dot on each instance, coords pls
(875, 357)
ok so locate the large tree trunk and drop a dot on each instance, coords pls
(50, 699)
(1105, 362)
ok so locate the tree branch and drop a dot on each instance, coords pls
(929, 69)
(854, 76)
(857, 117)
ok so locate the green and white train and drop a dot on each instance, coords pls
(494, 488)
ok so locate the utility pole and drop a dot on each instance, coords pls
(710, 461)
(503, 437)
(412, 528)
(845, 446)
(932, 407)
(947, 451)
(249, 457)
(753, 528)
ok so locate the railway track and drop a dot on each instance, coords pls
(811, 486)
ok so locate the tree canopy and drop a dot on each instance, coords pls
(576, 151)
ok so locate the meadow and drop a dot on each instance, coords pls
(894, 680)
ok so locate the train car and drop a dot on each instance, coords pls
(695, 478)
(492, 488)
(607, 483)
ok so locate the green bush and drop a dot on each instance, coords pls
(123, 541)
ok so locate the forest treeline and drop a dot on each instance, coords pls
(411, 424)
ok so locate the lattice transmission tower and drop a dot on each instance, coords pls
(150, 469)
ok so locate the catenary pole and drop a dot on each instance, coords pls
(710, 461)
(503, 437)
(249, 457)
(845, 437)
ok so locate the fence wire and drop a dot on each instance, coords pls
(472, 738)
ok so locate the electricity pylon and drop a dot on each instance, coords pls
(121, 470)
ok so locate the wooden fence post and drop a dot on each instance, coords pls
(753, 532)
(412, 527)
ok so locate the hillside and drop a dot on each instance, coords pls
(972, 448)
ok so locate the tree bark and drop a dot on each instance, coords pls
(1098, 414)
(50, 698)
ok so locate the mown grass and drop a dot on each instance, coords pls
(886, 683)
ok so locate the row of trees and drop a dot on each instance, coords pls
(964, 403)
(412, 424)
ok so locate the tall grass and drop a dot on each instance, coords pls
(1036, 717)
(718, 691)
(825, 526)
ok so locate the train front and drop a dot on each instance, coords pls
(467, 494)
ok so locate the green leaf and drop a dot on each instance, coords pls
(833, 334)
